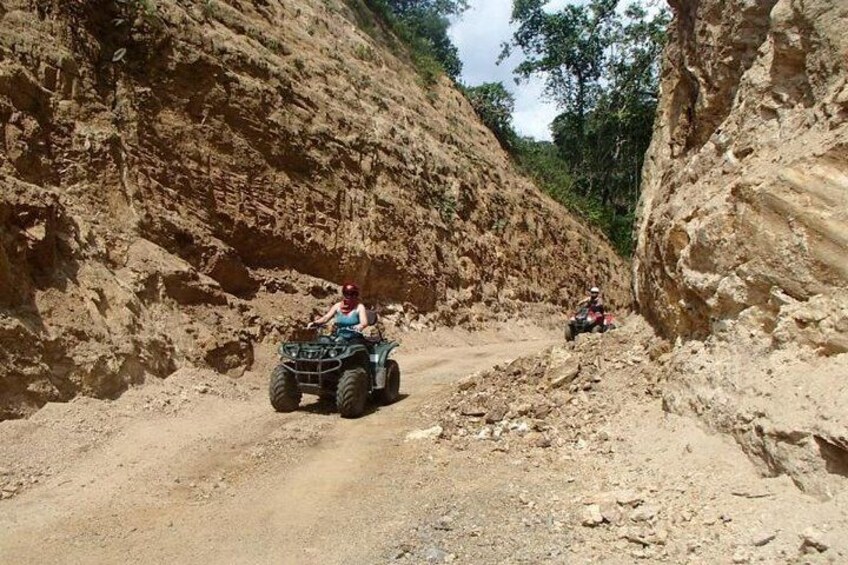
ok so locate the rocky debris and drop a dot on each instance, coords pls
(761, 539)
(812, 541)
(427, 434)
(549, 400)
(592, 516)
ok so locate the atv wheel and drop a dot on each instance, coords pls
(352, 393)
(597, 329)
(391, 393)
(283, 390)
(569, 333)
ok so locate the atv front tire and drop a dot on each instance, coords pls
(391, 393)
(352, 393)
(597, 329)
(569, 333)
(283, 390)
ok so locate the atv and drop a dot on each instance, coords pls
(345, 366)
(585, 321)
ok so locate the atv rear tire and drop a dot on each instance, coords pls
(569, 333)
(391, 393)
(283, 390)
(352, 393)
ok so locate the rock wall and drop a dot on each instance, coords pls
(743, 229)
(746, 182)
(181, 179)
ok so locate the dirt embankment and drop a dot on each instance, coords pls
(576, 458)
(181, 180)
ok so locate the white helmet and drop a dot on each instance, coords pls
(594, 290)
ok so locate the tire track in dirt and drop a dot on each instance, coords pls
(233, 482)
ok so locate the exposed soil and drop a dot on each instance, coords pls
(532, 461)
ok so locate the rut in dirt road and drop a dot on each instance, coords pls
(226, 480)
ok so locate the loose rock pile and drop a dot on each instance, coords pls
(562, 397)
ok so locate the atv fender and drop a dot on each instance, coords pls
(378, 362)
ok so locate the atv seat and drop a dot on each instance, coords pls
(371, 317)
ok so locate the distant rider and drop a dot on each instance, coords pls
(351, 317)
(594, 303)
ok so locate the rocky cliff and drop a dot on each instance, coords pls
(745, 205)
(183, 179)
(743, 230)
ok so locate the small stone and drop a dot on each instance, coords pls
(467, 383)
(445, 523)
(429, 433)
(520, 428)
(474, 411)
(762, 538)
(812, 541)
(741, 557)
(520, 408)
(543, 442)
(496, 414)
(485, 433)
(644, 513)
(628, 498)
(435, 555)
(592, 516)
(202, 389)
(659, 537)
(611, 513)
(566, 377)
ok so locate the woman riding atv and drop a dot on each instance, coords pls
(351, 316)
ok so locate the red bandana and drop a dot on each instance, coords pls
(349, 305)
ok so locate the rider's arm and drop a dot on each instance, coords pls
(363, 317)
(330, 313)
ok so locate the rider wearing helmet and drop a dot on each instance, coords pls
(593, 302)
(351, 318)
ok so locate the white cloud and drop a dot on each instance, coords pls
(478, 35)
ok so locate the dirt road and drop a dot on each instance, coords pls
(198, 469)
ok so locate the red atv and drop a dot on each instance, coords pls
(586, 320)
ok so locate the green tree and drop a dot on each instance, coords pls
(601, 65)
(566, 47)
(495, 105)
(441, 7)
(431, 26)
(423, 25)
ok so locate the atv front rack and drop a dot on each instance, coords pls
(311, 363)
(312, 351)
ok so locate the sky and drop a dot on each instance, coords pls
(479, 34)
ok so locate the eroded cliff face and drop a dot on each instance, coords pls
(743, 229)
(746, 182)
(183, 179)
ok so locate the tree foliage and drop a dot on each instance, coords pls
(601, 65)
(423, 25)
(494, 105)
